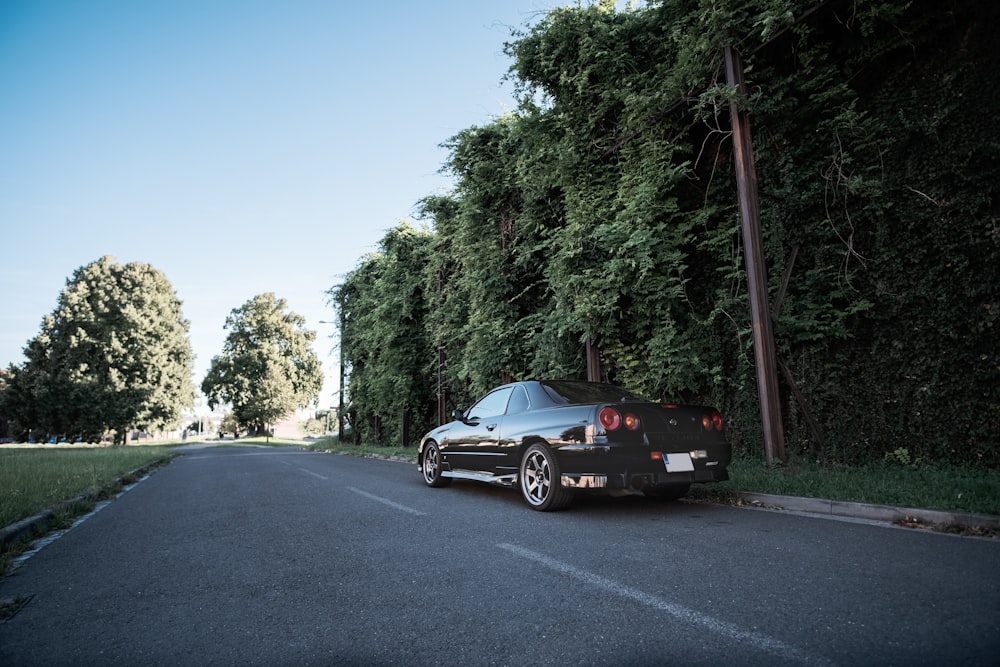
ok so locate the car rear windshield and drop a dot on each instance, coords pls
(568, 391)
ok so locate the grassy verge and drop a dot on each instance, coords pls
(37, 478)
(947, 488)
(938, 488)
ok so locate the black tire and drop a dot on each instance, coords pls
(430, 467)
(666, 493)
(540, 480)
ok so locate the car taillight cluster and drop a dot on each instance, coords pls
(612, 420)
(711, 422)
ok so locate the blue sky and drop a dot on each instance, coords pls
(239, 146)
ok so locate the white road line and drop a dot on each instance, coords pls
(730, 630)
(308, 472)
(47, 539)
(402, 508)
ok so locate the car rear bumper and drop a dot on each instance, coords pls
(641, 480)
(611, 467)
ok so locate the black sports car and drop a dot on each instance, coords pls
(553, 438)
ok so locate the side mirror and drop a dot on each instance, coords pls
(458, 416)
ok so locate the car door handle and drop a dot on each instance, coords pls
(491, 427)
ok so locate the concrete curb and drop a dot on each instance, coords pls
(36, 525)
(25, 528)
(870, 512)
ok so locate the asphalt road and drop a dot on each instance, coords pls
(275, 557)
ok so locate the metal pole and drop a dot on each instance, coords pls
(763, 336)
(340, 394)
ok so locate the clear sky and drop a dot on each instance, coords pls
(239, 146)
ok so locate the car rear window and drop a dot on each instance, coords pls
(568, 391)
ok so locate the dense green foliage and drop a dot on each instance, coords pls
(604, 210)
(267, 367)
(113, 355)
(383, 311)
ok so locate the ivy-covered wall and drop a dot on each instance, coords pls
(604, 209)
(877, 148)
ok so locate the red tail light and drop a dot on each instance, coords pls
(712, 421)
(631, 422)
(610, 419)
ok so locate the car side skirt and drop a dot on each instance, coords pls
(501, 480)
(597, 481)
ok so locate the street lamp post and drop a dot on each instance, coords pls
(340, 393)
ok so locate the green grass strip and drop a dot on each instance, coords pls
(946, 488)
(35, 479)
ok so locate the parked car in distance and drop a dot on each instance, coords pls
(555, 438)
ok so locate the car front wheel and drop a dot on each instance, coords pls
(539, 479)
(431, 467)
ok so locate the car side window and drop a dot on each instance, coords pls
(518, 401)
(492, 404)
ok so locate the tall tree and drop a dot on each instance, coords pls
(114, 354)
(267, 367)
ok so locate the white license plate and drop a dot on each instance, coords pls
(678, 462)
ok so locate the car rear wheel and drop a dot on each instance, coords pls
(431, 467)
(539, 479)
(666, 493)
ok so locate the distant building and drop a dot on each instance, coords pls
(288, 426)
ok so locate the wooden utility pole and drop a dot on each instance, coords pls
(593, 360)
(763, 335)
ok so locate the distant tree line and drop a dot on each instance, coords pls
(114, 358)
(602, 212)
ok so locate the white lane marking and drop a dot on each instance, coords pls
(730, 630)
(47, 539)
(308, 472)
(402, 508)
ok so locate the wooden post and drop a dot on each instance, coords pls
(763, 336)
(593, 360)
